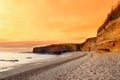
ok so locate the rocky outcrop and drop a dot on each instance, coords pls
(57, 49)
(88, 44)
(108, 35)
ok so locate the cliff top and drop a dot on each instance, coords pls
(113, 15)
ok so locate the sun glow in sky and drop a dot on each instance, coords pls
(36, 22)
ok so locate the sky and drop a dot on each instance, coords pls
(29, 23)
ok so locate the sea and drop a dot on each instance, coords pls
(10, 59)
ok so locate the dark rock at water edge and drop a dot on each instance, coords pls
(57, 49)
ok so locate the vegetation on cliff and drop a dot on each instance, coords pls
(114, 14)
(108, 36)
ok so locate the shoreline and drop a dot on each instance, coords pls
(80, 66)
(30, 67)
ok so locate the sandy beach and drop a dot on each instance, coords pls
(80, 66)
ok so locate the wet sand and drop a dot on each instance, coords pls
(81, 66)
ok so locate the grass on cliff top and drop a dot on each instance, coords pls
(114, 14)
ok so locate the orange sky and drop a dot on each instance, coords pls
(25, 22)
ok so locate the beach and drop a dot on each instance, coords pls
(79, 66)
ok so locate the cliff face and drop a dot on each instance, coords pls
(57, 49)
(108, 35)
(88, 44)
(113, 15)
(108, 39)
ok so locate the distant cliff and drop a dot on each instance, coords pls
(88, 44)
(57, 49)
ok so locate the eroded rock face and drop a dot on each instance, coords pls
(108, 39)
(113, 15)
(108, 35)
(88, 44)
(57, 49)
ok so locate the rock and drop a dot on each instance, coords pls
(9, 60)
(108, 36)
(115, 14)
(109, 39)
(57, 49)
(28, 57)
(88, 44)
